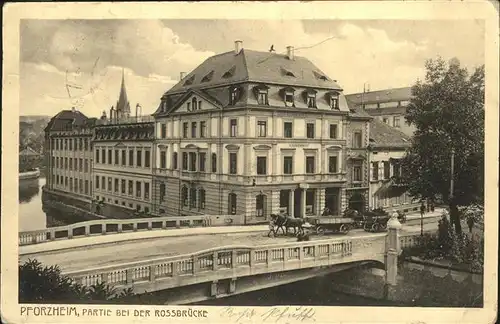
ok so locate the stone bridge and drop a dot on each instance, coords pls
(230, 270)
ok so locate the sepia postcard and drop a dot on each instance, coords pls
(250, 162)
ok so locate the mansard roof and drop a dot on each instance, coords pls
(380, 96)
(67, 120)
(254, 66)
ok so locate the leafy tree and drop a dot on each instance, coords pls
(447, 110)
(39, 284)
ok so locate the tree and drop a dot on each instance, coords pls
(447, 110)
(39, 284)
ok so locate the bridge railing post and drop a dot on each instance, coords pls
(215, 264)
(128, 274)
(70, 233)
(196, 264)
(150, 226)
(135, 226)
(87, 230)
(103, 229)
(251, 260)
(234, 259)
(392, 250)
(120, 228)
(152, 269)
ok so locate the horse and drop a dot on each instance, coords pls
(285, 222)
(280, 221)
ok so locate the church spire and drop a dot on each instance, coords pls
(123, 105)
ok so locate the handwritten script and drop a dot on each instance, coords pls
(286, 314)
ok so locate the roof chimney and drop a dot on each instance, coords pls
(73, 109)
(182, 75)
(238, 46)
(289, 52)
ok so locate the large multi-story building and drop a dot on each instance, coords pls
(388, 106)
(387, 147)
(252, 133)
(122, 149)
(68, 154)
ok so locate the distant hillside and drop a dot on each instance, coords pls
(33, 118)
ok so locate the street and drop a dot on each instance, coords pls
(122, 252)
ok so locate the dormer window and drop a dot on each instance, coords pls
(234, 95)
(310, 98)
(229, 73)
(208, 77)
(189, 81)
(334, 100)
(320, 76)
(287, 72)
(288, 97)
(261, 93)
(163, 106)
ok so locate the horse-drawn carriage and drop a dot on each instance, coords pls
(331, 223)
(372, 221)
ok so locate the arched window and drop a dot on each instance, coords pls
(193, 197)
(260, 204)
(202, 198)
(184, 195)
(194, 103)
(232, 199)
(174, 161)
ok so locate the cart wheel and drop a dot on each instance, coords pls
(366, 228)
(344, 228)
(375, 227)
(320, 230)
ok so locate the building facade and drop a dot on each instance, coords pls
(387, 147)
(123, 160)
(68, 154)
(253, 133)
(388, 106)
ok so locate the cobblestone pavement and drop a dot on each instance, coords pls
(122, 252)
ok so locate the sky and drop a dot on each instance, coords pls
(79, 63)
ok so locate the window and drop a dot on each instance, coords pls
(334, 100)
(103, 179)
(138, 188)
(194, 103)
(357, 141)
(385, 120)
(192, 193)
(163, 130)
(192, 158)
(163, 160)
(86, 165)
(375, 171)
(188, 105)
(332, 164)
(66, 163)
(214, 162)
(110, 156)
(139, 158)
(147, 159)
(174, 161)
(184, 195)
(185, 130)
(76, 185)
(261, 165)
(232, 203)
(397, 122)
(199, 105)
(86, 142)
(110, 184)
(184, 161)
(75, 164)
(233, 123)
(131, 157)
(262, 128)
(203, 129)
(333, 131)
(259, 205)
(146, 190)
(193, 129)
(262, 97)
(203, 158)
(80, 165)
(80, 144)
(71, 144)
(65, 144)
(103, 156)
(311, 100)
(124, 158)
(288, 165)
(387, 170)
(310, 130)
(130, 187)
(80, 182)
(86, 187)
(123, 186)
(310, 164)
(396, 170)
(202, 199)
(117, 157)
(234, 96)
(71, 163)
(163, 192)
(289, 99)
(233, 163)
(288, 129)
(356, 173)
(116, 185)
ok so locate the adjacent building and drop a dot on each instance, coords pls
(122, 168)
(253, 133)
(387, 147)
(388, 106)
(68, 154)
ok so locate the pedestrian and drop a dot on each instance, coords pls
(428, 206)
(271, 228)
(422, 209)
(470, 223)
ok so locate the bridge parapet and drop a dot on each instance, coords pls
(113, 226)
(231, 262)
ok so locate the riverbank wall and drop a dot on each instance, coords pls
(418, 284)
